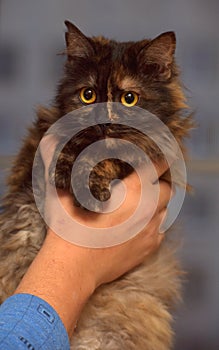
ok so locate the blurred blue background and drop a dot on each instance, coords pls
(32, 33)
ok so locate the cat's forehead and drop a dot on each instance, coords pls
(112, 58)
(113, 50)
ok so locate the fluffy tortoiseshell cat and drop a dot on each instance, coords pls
(134, 312)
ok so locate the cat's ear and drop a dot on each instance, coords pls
(77, 44)
(157, 56)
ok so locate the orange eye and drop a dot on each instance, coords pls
(88, 95)
(129, 98)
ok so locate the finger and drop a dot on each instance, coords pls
(47, 149)
(165, 195)
(160, 238)
(163, 215)
(161, 168)
(158, 221)
(156, 170)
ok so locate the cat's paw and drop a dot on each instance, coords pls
(92, 194)
(60, 174)
(88, 195)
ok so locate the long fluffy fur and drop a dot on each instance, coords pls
(133, 312)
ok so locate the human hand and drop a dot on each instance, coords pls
(103, 265)
(65, 274)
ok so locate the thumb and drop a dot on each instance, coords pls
(47, 149)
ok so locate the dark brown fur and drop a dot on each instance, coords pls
(134, 311)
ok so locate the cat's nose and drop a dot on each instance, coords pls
(110, 111)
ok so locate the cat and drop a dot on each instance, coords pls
(133, 312)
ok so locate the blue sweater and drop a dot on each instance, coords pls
(29, 323)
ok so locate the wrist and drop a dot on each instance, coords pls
(73, 260)
(58, 276)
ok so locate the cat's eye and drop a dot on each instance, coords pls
(129, 98)
(88, 95)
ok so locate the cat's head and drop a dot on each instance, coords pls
(142, 73)
(99, 70)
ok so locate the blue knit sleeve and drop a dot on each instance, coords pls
(29, 323)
